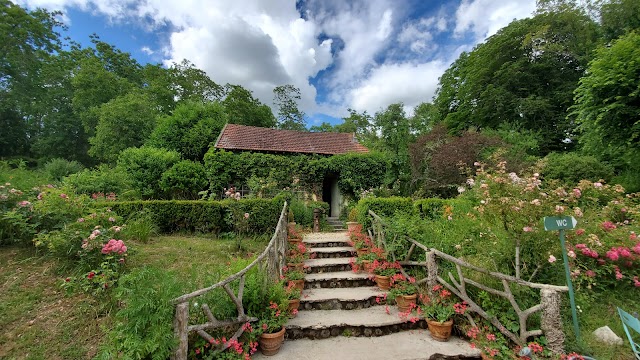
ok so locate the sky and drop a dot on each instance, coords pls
(342, 54)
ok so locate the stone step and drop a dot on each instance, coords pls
(332, 252)
(408, 345)
(340, 298)
(328, 265)
(372, 321)
(339, 279)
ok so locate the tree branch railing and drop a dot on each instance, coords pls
(272, 260)
(551, 324)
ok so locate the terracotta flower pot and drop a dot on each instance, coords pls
(296, 267)
(270, 343)
(440, 331)
(364, 267)
(383, 282)
(352, 226)
(294, 304)
(298, 284)
(404, 302)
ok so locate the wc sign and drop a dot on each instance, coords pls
(560, 223)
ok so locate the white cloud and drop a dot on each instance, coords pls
(147, 50)
(409, 83)
(485, 17)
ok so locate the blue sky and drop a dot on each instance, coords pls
(359, 54)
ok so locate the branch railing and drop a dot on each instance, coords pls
(272, 260)
(551, 323)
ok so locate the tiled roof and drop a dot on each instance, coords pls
(241, 137)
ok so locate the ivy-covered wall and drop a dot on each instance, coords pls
(356, 171)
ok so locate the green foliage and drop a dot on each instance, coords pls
(382, 207)
(286, 98)
(190, 129)
(103, 179)
(357, 171)
(184, 180)
(431, 209)
(123, 122)
(140, 227)
(572, 167)
(59, 168)
(143, 327)
(146, 165)
(244, 109)
(303, 210)
(203, 216)
(523, 75)
(607, 102)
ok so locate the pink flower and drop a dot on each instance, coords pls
(112, 219)
(590, 273)
(527, 229)
(597, 184)
(571, 254)
(618, 275)
(636, 283)
(81, 220)
(64, 196)
(608, 226)
(612, 255)
(246, 215)
(633, 236)
(579, 231)
(577, 193)
(624, 252)
(491, 337)
(559, 209)
(552, 259)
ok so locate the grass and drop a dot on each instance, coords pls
(39, 321)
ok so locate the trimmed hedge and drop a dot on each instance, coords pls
(214, 216)
(384, 207)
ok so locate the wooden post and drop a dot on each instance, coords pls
(316, 219)
(180, 324)
(432, 270)
(551, 323)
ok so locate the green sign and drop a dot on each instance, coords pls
(559, 222)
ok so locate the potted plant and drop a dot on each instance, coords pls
(364, 261)
(404, 291)
(383, 271)
(361, 247)
(295, 276)
(271, 324)
(352, 220)
(293, 236)
(293, 297)
(297, 256)
(492, 345)
(439, 309)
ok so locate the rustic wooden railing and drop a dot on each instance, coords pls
(551, 323)
(271, 261)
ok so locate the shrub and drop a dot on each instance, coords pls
(382, 207)
(140, 227)
(146, 165)
(573, 167)
(303, 210)
(184, 180)
(103, 179)
(143, 327)
(59, 168)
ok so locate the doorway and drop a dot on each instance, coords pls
(331, 194)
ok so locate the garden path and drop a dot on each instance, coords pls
(342, 315)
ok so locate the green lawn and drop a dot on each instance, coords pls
(39, 321)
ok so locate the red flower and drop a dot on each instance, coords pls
(91, 275)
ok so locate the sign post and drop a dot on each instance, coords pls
(562, 223)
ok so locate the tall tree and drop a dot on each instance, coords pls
(607, 105)
(393, 127)
(619, 17)
(190, 130)
(244, 109)
(286, 98)
(27, 39)
(124, 122)
(524, 76)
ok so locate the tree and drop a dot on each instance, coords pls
(27, 38)
(423, 119)
(243, 109)
(619, 17)
(324, 127)
(393, 126)
(124, 122)
(146, 165)
(607, 105)
(523, 76)
(190, 130)
(286, 98)
(361, 125)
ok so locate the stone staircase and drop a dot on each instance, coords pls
(342, 315)
(337, 224)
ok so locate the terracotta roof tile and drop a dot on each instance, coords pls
(241, 137)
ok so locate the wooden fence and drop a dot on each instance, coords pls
(271, 260)
(551, 321)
